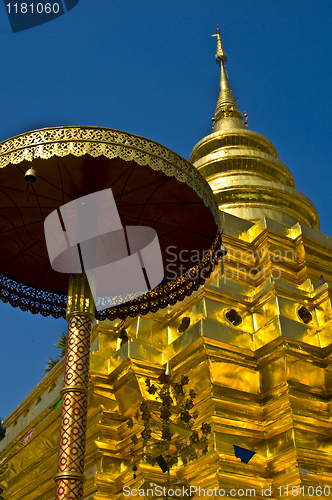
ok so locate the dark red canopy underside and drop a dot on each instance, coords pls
(143, 197)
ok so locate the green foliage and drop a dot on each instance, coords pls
(51, 364)
(2, 430)
(60, 344)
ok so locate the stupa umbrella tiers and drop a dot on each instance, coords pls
(152, 187)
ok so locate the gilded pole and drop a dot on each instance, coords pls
(80, 315)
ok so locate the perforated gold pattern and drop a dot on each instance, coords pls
(170, 293)
(54, 304)
(79, 141)
(32, 299)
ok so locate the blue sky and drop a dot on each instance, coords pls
(147, 67)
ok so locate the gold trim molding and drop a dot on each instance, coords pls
(69, 476)
(110, 143)
(73, 388)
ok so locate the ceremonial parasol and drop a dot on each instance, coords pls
(153, 187)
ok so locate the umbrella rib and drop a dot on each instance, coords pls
(68, 172)
(132, 165)
(20, 214)
(61, 180)
(43, 272)
(21, 254)
(153, 192)
(32, 255)
(17, 190)
(170, 225)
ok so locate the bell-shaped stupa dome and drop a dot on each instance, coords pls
(243, 169)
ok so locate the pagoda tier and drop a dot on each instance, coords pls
(263, 384)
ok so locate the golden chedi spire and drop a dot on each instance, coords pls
(226, 105)
(243, 168)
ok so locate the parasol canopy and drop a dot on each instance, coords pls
(152, 186)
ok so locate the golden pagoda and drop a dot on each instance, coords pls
(254, 341)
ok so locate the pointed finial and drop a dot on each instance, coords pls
(168, 369)
(220, 54)
(226, 105)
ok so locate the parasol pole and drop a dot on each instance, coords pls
(80, 315)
